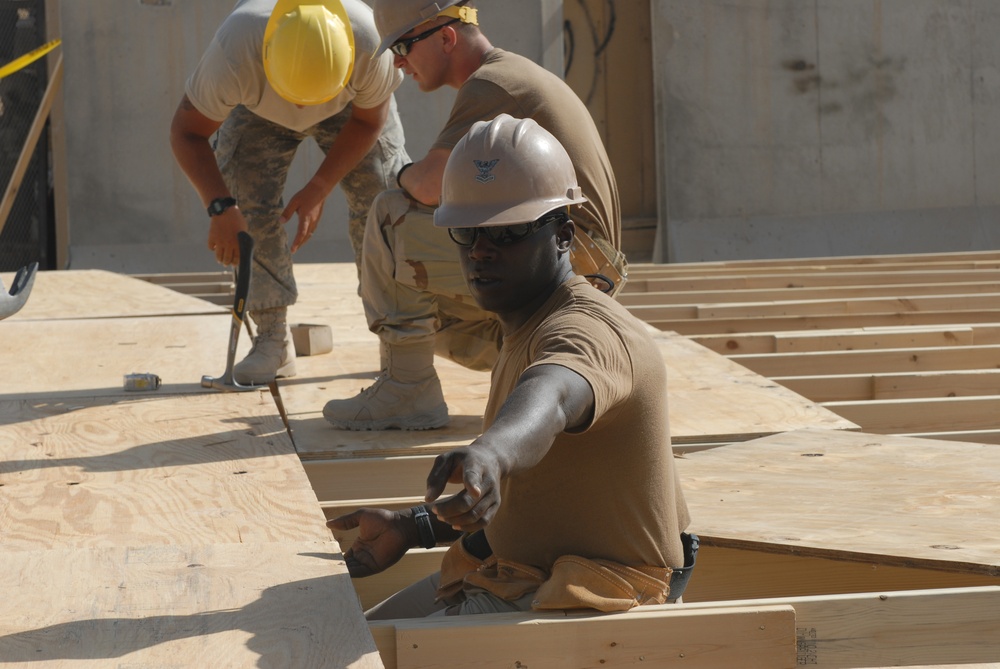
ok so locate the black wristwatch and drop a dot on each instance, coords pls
(220, 204)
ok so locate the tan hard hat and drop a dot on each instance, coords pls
(394, 18)
(308, 50)
(503, 172)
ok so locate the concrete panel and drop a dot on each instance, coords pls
(794, 129)
(130, 208)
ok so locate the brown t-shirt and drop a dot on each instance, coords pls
(512, 84)
(610, 491)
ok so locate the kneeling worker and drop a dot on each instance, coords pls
(571, 497)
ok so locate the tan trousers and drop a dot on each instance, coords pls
(412, 285)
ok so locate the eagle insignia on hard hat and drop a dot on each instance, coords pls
(485, 167)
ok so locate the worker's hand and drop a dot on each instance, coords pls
(478, 469)
(308, 204)
(384, 538)
(222, 240)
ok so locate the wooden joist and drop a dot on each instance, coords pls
(862, 336)
(924, 627)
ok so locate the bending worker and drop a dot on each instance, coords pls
(275, 73)
(570, 496)
(411, 285)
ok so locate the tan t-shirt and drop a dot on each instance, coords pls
(610, 491)
(512, 84)
(231, 71)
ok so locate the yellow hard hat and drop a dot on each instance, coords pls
(308, 50)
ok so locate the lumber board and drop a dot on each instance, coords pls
(890, 628)
(284, 604)
(185, 469)
(24, 158)
(883, 262)
(799, 293)
(941, 626)
(882, 499)
(758, 324)
(902, 385)
(859, 305)
(92, 293)
(963, 383)
(747, 637)
(843, 338)
(932, 358)
(875, 338)
(741, 573)
(991, 436)
(935, 414)
(90, 357)
(785, 278)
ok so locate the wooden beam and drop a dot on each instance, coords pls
(923, 627)
(854, 387)
(721, 574)
(823, 307)
(763, 324)
(826, 263)
(746, 637)
(921, 415)
(34, 132)
(790, 279)
(798, 293)
(873, 361)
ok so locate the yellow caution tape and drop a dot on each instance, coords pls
(28, 58)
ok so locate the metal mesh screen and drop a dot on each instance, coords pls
(27, 231)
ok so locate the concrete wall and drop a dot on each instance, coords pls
(130, 208)
(791, 128)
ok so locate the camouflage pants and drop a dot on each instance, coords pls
(412, 286)
(254, 156)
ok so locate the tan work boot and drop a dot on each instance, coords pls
(406, 396)
(272, 355)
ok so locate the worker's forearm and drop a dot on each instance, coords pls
(196, 159)
(422, 179)
(547, 401)
(352, 144)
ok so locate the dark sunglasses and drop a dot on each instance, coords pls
(502, 235)
(402, 46)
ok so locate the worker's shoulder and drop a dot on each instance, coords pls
(500, 61)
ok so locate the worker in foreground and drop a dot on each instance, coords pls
(276, 73)
(414, 296)
(571, 497)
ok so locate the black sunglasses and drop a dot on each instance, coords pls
(502, 235)
(402, 46)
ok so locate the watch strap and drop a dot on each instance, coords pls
(424, 527)
(219, 205)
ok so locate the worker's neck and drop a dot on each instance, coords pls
(468, 57)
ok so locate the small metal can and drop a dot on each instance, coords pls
(142, 381)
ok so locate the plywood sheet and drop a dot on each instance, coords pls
(228, 605)
(89, 357)
(208, 469)
(711, 399)
(846, 495)
(96, 293)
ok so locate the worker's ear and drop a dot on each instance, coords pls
(449, 37)
(565, 235)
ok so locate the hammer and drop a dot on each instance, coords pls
(11, 303)
(226, 381)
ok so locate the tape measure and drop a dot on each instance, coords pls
(28, 58)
